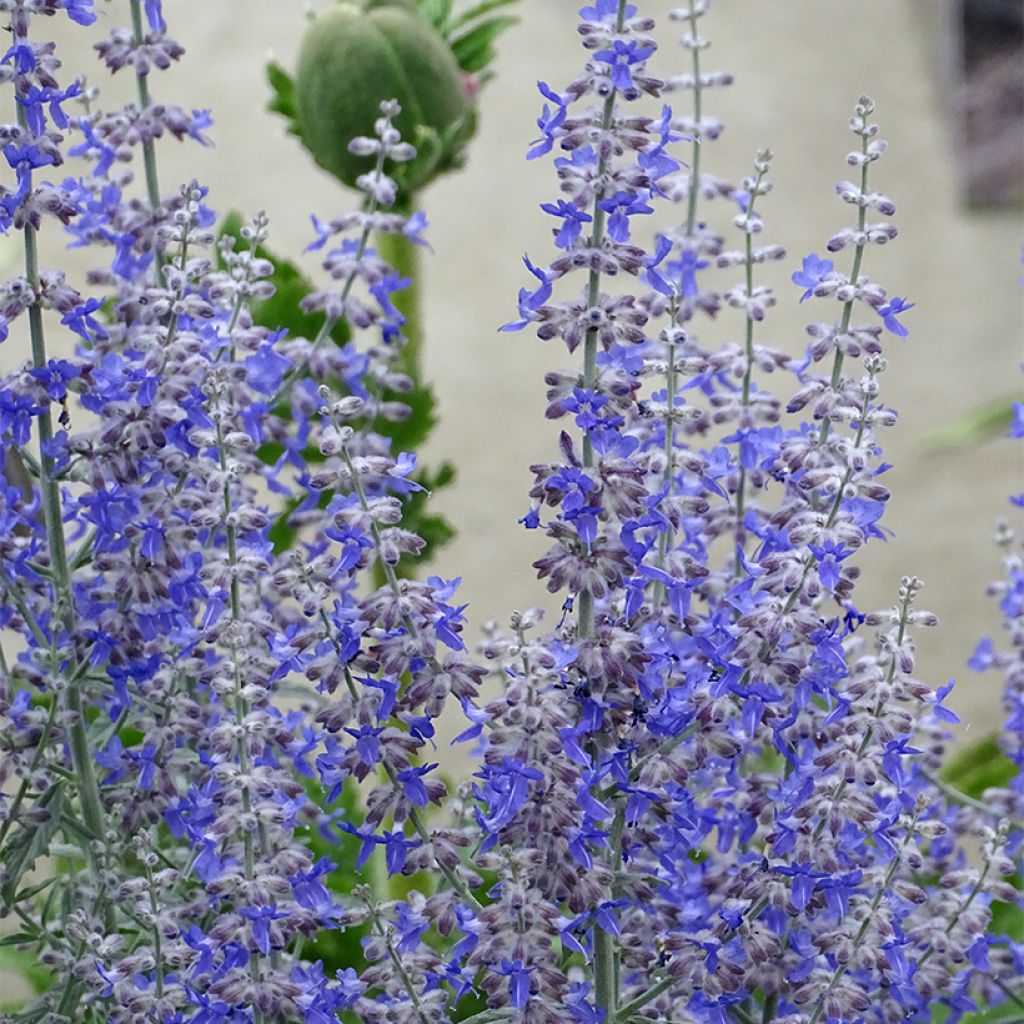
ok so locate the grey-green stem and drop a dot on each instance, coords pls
(142, 81)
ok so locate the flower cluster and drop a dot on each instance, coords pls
(157, 615)
(713, 791)
(718, 761)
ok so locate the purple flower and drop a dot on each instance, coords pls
(622, 206)
(621, 57)
(262, 918)
(814, 270)
(518, 975)
(55, 376)
(1017, 426)
(605, 11)
(265, 369)
(80, 11)
(549, 122)
(84, 324)
(573, 219)
(890, 311)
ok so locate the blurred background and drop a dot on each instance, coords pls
(946, 78)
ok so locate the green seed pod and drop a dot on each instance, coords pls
(357, 55)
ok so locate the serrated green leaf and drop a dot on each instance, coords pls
(475, 50)
(282, 100)
(474, 12)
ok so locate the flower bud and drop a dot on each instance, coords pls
(357, 56)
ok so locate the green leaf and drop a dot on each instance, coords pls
(477, 11)
(475, 50)
(978, 767)
(437, 12)
(35, 890)
(25, 965)
(408, 435)
(30, 842)
(282, 100)
(978, 425)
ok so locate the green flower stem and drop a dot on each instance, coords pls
(858, 257)
(404, 257)
(741, 490)
(81, 754)
(698, 102)
(606, 992)
(148, 148)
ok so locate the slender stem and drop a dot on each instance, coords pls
(858, 258)
(241, 704)
(642, 1000)
(586, 599)
(698, 103)
(158, 960)
(403, 256)
(148, 147)
(741, 491)
(372, 206)
(81, 754)
(606, 990)
(959, 797)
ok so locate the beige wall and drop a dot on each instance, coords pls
(799, 64)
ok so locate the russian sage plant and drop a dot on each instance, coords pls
(712, 792)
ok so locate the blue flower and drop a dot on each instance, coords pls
(154, 15)
(549, 121)
(605, 11)
(829, 556)
(262, 918)
(518, 975)
(81, 12)
(890, 311)
(655, 160)
(265, 369)
(814, 270)
(573, 219)
(622, 206)
(530, 302)
(84, 324)
(55, 376)
(941, 712)
(505, 789)
(1017, 426)
(413, 786)
(621, 57)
